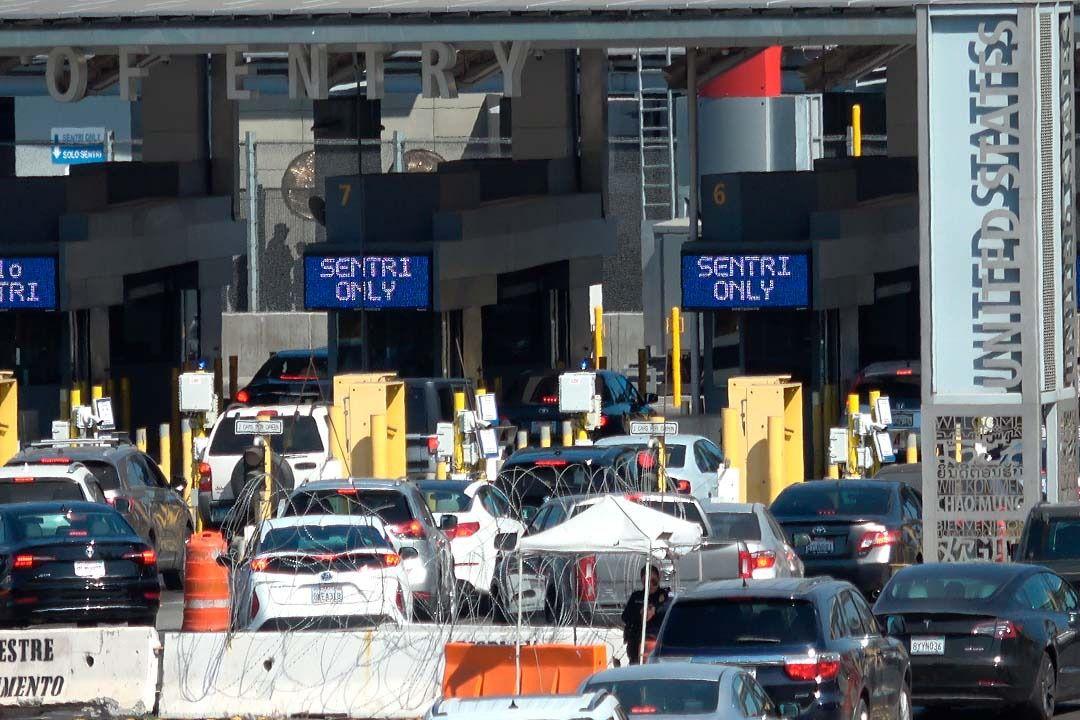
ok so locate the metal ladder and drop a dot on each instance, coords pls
(656, 137)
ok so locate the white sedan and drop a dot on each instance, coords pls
(694, 462)
(482, 513)
(324, 572)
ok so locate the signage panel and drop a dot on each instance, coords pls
(29, 282)
(746, 281)
(79, 146)
(367, 282)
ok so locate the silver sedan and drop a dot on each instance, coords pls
(771, 556)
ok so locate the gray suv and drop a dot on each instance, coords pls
(135, 486)
(412, 530)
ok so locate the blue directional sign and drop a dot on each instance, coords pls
(367, 282)
(745, 281)
(79, 146)
(28, 283)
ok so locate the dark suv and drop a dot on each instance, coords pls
(1052, 539)
(135, 486)
(857, 530)
(810, 642)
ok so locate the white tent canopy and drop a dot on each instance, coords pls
(615, 524)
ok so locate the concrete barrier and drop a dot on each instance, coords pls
(111, 668)
(381, 673)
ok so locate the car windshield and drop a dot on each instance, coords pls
(105, 473)
(1054, 538)
(321, 539)
(63, 524)
(934, 587)
(390, 505)
(663, 697)
(739, 623)
(293, 368)
(38, 489)
(300, 435)
(446, 500)
(734, 526)
(827, 499)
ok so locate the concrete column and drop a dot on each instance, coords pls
(98, 334)
(224, 135)
(173, 108)
(901, 114)
(542, 119)
(594, 123)
(340, 124)
(849, 344)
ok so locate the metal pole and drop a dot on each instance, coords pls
(399, 151)
(692, 131)
(644, 606)
(253, 223)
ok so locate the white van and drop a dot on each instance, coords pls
(597, 705)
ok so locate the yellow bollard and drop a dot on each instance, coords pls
(874, 396)
(856, 130)
(268, 478)
(186, 453)
(676, 357)
(853, 441)
(96, 392)
(125, 402)
(459, 436)
(140, 439)
(567, 433)
(522, 439)
(379, 460)
(598, 336)
(775, 441)
(911, 452)
(832, 472)
(440, 470)
(165, 451)
(582, 435)
(545, 436)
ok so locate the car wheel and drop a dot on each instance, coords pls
(903, 703)
(861, 712)
(1044, 693)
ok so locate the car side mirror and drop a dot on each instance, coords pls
(507, 542)
(788, 711)
(121, 505)
(448, 522)
(651, 398)
(409, 553)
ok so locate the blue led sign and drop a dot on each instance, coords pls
(28, 283)
(744, 281)
(367, 282)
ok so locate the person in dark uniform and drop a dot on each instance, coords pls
(632, 613)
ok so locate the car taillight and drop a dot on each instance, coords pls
(586, 578)
(412, 529)
(462, 530)
(243, 396)
(682, 486)
(642, 710)
(646, 460)
(762, 560)
(551, 463)
(347, 491)
(206, 477)
(1000, 629)
(550, 399)
(824, 667)
(297, 378)
(604, 419)
(23, 480)
(633, 497)
(746, 569)
(877, 538)
(260, 564)
(903, 372)
(54, 461)
(28, 561)
(433, 445)
(152, 594)
(391, 560)
(146, 556)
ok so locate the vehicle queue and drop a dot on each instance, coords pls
(797, 610)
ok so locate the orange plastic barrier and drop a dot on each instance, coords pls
(484, 670)
(206, 585)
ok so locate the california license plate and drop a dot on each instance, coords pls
(927, 646)
(327, 595)
(93, 569)
(819, 546)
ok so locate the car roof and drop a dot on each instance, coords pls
(576, 454)
(728, 507)
(359, 483)
(73, 470)
(664, 671)
(790, 588)
(454, 485)
(104, 453)
(322, 520)
(301, 353)
(302, 409)
(624, 440)
(839, 484)
(55, 506)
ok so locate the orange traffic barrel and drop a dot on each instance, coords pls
(206, 585)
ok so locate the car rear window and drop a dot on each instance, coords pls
(321, 539)
(676, 456)
(529, 485)
(680, 509)
(105, 473)
(39, 489)
(300, 435)
(734, 526)
(446, 500)
(1053, 539)
(663, 697)
(827, 499)
(933, 588)
(739, 623)
(293, 368)
(36, 525)
(390, 505)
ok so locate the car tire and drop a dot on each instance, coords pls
(903, 703)
(1044, 691)
(861, 711)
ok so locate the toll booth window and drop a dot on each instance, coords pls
(301, 435)
(41, 489)
(293, 368)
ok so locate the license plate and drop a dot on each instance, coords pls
(819, 546)
(90, 569)
(327, 595)
(903, 421)
(927, 646)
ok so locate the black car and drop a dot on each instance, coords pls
(1052, 539)
(856, 530)
(74, 562)
(289, 375)
(532, 476)
(533, 401)
(986, 634)
(811, 642)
